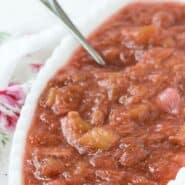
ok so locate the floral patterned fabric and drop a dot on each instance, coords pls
(12, 99)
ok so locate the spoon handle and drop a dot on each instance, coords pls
(55, 7)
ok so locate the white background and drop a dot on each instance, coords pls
(28, 16)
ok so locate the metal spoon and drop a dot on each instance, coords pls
(55, 7)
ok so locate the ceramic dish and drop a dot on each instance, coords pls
(59, 58)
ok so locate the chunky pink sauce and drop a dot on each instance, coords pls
(122, 124)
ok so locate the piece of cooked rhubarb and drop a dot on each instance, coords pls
(98, 138)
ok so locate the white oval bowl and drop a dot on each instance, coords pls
(59, 58)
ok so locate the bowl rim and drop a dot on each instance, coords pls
(53, 64)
